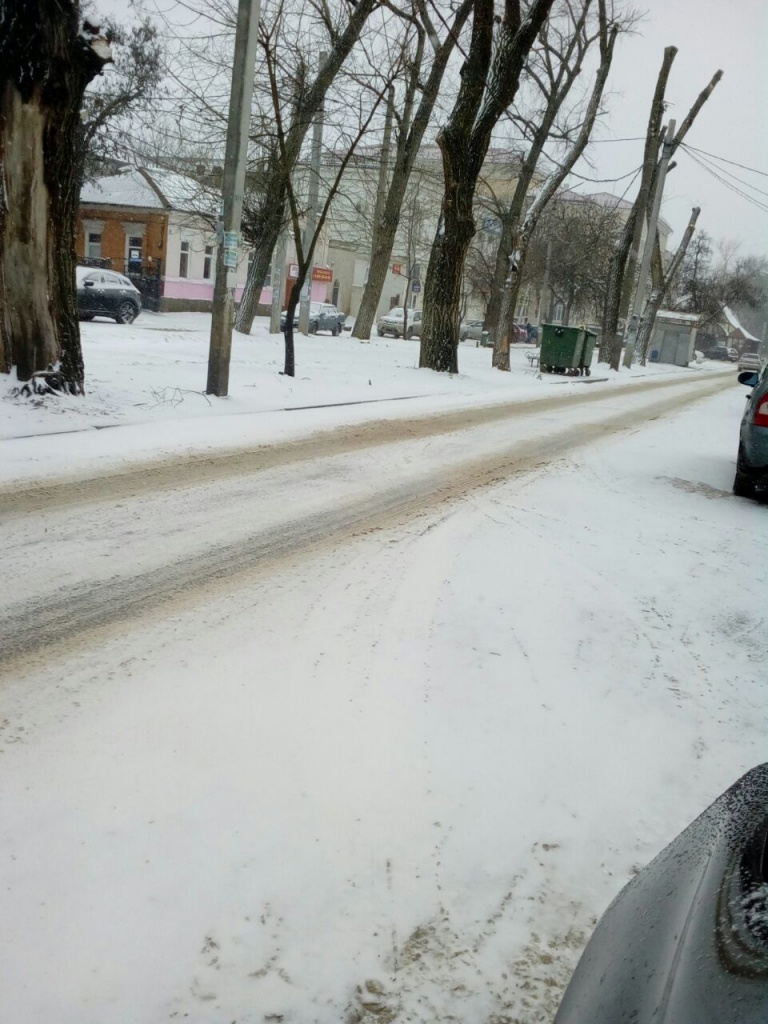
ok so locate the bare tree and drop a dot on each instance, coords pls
(48, 55)
(582, 232)
(707, 281)
(305, 243)
(410, 130)
(489, 82)
(308, 94)
(660, 289)
(133, 81)
(549, 188)
(627, 252)
(553, 68)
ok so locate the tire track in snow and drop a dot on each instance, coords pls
(45, 626)
(187, 471)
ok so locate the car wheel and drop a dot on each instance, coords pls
(126, 313)
(743, 484)
(86, 316)
(334, 331)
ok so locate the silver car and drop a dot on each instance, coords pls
(398, 323)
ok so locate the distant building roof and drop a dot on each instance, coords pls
(672, 315)
(151, 189)
(734, 322)
(129, 188)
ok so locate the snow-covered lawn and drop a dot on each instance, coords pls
(150, 377)
(405, 773)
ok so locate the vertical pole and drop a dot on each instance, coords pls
(312, 204)
(233, 184)
(650, 238)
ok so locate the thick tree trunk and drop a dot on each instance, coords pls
(493, 310)
(46, 64)
(442, 292)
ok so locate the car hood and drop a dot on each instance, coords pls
(686, 942)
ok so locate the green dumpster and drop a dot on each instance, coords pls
(566, 350)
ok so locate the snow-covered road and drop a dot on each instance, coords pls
(399, 716)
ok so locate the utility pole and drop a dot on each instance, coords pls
(645, 265)
(233, 185)
(312, 204)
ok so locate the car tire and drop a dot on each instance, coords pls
(313, 328)
(126, 313)
(743, 483)
(334, 331)
(86, 316)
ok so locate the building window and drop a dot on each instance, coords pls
(207, 263)
(184, 260)
(93, 245)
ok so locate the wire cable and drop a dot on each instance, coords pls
(734, 163)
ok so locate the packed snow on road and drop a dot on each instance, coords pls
(395, 770)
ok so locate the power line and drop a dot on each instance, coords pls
(734, 163)
(731, 175)
(729, 185)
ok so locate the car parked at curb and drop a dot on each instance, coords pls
(398, 323)
(105, 293)
(471, 329)
(751, 478)
(722, 352)
(750, 361)
(323, 316)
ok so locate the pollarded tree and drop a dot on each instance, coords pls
(48, 55)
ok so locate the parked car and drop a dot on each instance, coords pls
(750, 361)
(752, 457)
(322, 317)
(686, 941)
(472, 329)
(518, 335)
(392, 323)
(105, 293)
(723, 352)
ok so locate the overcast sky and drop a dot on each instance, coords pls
(709, 35)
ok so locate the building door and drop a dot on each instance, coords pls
(134, 254)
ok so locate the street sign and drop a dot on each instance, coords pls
(416, 286)
(293, 270)
(230, 257)
(231, 239)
